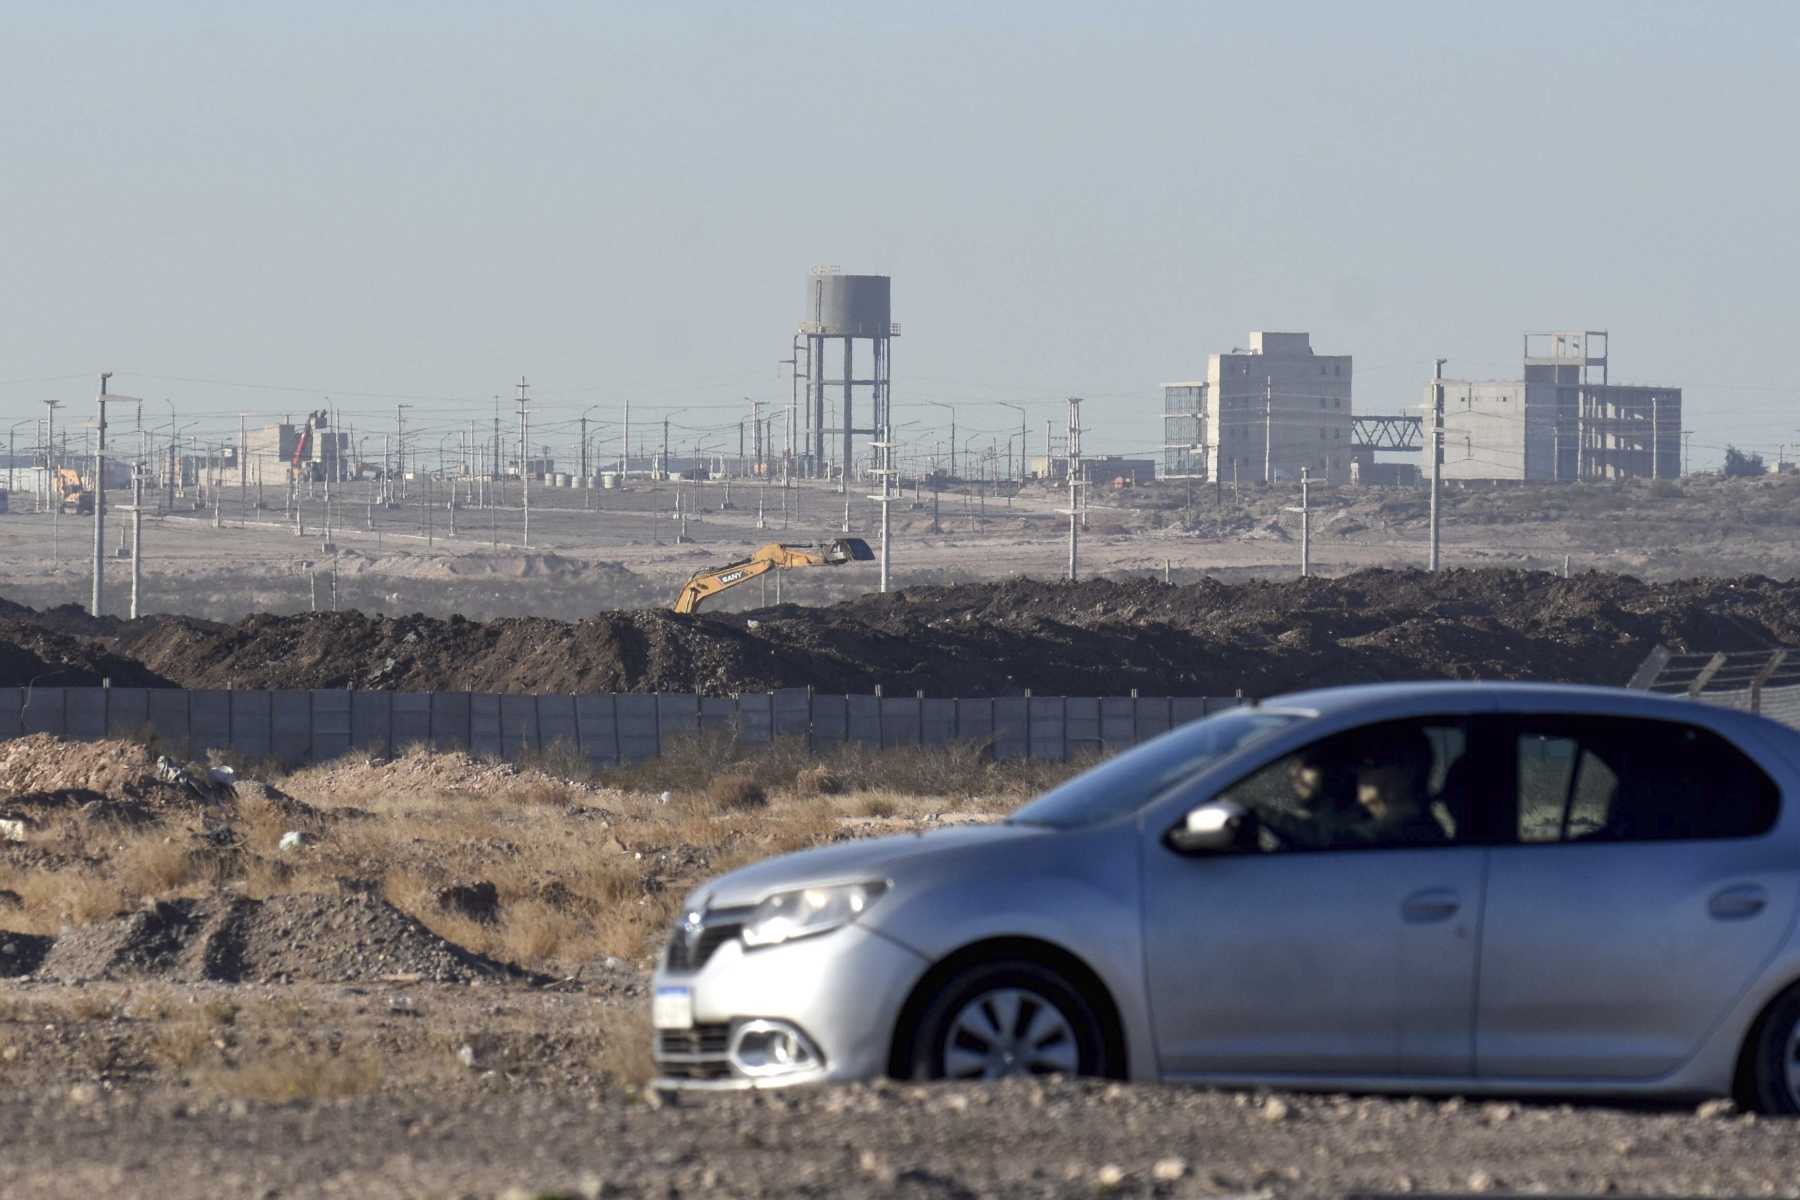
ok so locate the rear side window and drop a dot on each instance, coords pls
(1616, 780)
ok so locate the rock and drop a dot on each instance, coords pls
(877, 1168)
(466, 1056)
(1481, 1181)
(1168, 1170)
(22, 953)
(13, 829)
(478, 901)
(83, 1093)
(1276, 1109)
(1110, 1176)
(1716, 1110)
(293, 839)
(665, 797)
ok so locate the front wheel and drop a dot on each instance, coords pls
(1774, 1075)
(1011, 1018)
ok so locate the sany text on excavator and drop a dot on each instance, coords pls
(774, 556)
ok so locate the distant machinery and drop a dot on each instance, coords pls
(846, 308)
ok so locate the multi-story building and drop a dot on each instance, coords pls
(1263, 413)
(324, 453)
(1562, 421)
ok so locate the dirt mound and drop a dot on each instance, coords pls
(32, 650)
(1095, 637)
(330, 939)
(109, 780)
(346, 781)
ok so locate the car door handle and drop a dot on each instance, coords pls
(1432, 904)
(1736, 903)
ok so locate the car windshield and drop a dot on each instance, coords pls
(1128, 782)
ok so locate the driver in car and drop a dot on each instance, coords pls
(1324, 810)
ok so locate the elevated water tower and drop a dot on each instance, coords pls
(850, 309)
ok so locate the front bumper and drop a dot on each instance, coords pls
(842, 991)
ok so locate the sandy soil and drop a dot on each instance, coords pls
(625, 550)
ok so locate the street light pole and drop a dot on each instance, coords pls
(952, 408)
(1021, 411)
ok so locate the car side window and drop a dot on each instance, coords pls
(1605, 779)
(1395, 784)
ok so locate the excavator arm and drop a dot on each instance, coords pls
(774, 556)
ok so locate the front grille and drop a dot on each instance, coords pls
(711, 938)
(696, 1053)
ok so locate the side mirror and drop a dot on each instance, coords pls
(1212, 828)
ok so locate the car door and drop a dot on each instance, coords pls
(1329, 944)
(1638, 902)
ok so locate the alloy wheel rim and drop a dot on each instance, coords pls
(1008, 1032)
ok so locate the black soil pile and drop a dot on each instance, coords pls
(1100, 637)
(34, 649)
(319, 938)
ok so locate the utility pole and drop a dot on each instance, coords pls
(137, 535)
(885, 450)
(1305, 511)
(1268, 430)
(665, 449)
(1075, 484)
(400, 444)
(584, 461)
(1687, 437)
(100, 499)
(50, 480)
(524, 455)
(1655, 428)
(1437, 451)
(625, 447)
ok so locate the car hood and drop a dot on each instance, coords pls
(849, 862)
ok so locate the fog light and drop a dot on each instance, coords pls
(763, 1048)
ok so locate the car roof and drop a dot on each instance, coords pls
(1424, 694)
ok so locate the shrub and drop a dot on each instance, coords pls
(736, 791)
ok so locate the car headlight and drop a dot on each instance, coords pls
(797, 914)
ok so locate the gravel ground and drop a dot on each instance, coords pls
(1024, 1139)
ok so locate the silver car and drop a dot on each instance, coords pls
(1431, 887)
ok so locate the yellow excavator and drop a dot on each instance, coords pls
(73, 495)
(774, 556)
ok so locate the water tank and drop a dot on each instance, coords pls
(847, 305)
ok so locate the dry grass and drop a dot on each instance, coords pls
(736, 791)
(622, 1050)
(585, 864)
(183, 1044)
(311, 1075)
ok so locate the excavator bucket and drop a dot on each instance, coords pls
(844, 550)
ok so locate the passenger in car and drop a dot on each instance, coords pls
(1393, 786)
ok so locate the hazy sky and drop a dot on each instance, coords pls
(372, 200)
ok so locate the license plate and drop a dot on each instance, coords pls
(672, 1008)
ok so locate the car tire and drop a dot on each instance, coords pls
(1773, 1078)
(1010, 1017)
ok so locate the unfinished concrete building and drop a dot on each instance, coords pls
(1262, 413)
(324, 453)
(1564, 420)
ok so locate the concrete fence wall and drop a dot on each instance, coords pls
(310, 726)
